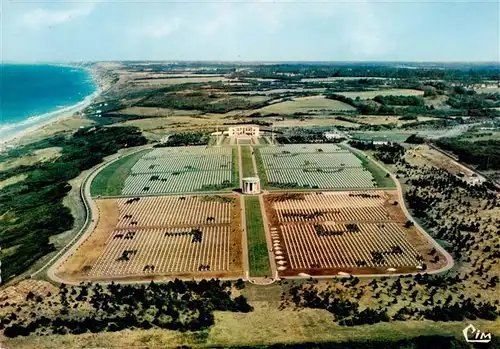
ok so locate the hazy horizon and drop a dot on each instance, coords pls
(278, 31)
(215, 61)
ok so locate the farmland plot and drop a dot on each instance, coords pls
(160, 237)
(325, 166)
(361, 232)
(181, 169)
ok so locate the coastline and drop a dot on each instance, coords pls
(12, 140)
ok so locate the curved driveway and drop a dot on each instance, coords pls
(449, 259)
(92, 217)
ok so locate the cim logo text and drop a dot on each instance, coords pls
(473, 335)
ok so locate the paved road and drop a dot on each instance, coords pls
(402, 203)
(93, 217)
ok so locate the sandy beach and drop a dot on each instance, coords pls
(23, 136)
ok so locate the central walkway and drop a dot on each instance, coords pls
(265, 230)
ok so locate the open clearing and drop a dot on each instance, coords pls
(177, 81)
(12, 180)
(425, 155)
(39, 155)
(338, 78)
(385, 92)
(388, 136)
(318, 104)
(327, 233)
(156, 127)
(160, 238)
(266, 325)
(60, 126)
(278, 91)
(311, 121)
(383, 120)
(156, 112)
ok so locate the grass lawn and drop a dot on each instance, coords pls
(235, 174)
(257, 247)
(264, 183)
(377, 172)
(263, 141)
(111, 179)
(247, 164)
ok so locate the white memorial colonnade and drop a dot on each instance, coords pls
(251, 185)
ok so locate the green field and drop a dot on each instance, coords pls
(247, 164)
(381, 136)
(305, 105)
(111, 180)
(235, 169)
(377, 172)
(257, 247)
(383, 92)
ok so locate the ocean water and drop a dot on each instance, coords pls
(32, 94)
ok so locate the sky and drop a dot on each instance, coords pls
(326, 30)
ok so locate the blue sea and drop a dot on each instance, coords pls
(32, 94)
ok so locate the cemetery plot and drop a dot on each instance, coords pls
(174, 250)
(172, 211)
(310, 161)
(359, 232)
(334, 206)
(316, 166)
(183, 163)
(303, 148)
(142, 238)
(342, 178)
(181, 169)
(177, 182)
(333, 246)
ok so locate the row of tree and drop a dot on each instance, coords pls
(34, 206)
(176, 305)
